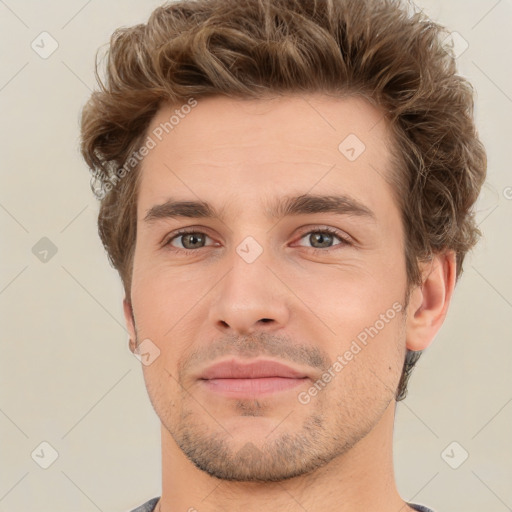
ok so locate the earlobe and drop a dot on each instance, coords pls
(130, 322)
(429, 303)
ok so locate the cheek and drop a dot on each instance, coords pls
(164, 294)
(352, 297)
(162, 388)
(364, 311)
(370, 370)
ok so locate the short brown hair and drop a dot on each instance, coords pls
(388, 52)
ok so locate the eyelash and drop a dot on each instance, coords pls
(344, 240)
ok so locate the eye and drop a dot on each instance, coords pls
(190, 240)
(323, 238)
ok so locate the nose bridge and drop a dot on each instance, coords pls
(249, 296)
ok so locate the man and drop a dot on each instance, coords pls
(286, 191)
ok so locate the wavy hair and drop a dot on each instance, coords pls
(385, 50)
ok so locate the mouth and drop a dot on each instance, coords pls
(236, 379)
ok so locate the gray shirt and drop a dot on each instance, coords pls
(149, 506)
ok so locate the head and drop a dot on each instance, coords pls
(245, 105)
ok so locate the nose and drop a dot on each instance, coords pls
(249, 298)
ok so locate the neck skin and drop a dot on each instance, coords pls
(361, 479)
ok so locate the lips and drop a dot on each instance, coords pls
(236, 369)
(238, 379)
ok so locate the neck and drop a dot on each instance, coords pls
(360, 479)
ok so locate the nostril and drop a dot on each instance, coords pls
(266, 320)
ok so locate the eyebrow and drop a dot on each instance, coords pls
(282, 207)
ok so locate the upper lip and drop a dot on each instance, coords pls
(237, 369)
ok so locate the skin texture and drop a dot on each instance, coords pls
(291, 304)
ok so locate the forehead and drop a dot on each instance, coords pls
(245, 153)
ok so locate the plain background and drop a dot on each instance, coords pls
(67, 375)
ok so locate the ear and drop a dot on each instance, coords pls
(429, 303)
(130, 322)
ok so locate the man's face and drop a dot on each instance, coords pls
(254, 285)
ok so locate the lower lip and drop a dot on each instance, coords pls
(252, 387)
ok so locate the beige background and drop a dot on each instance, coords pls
(67, 376)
